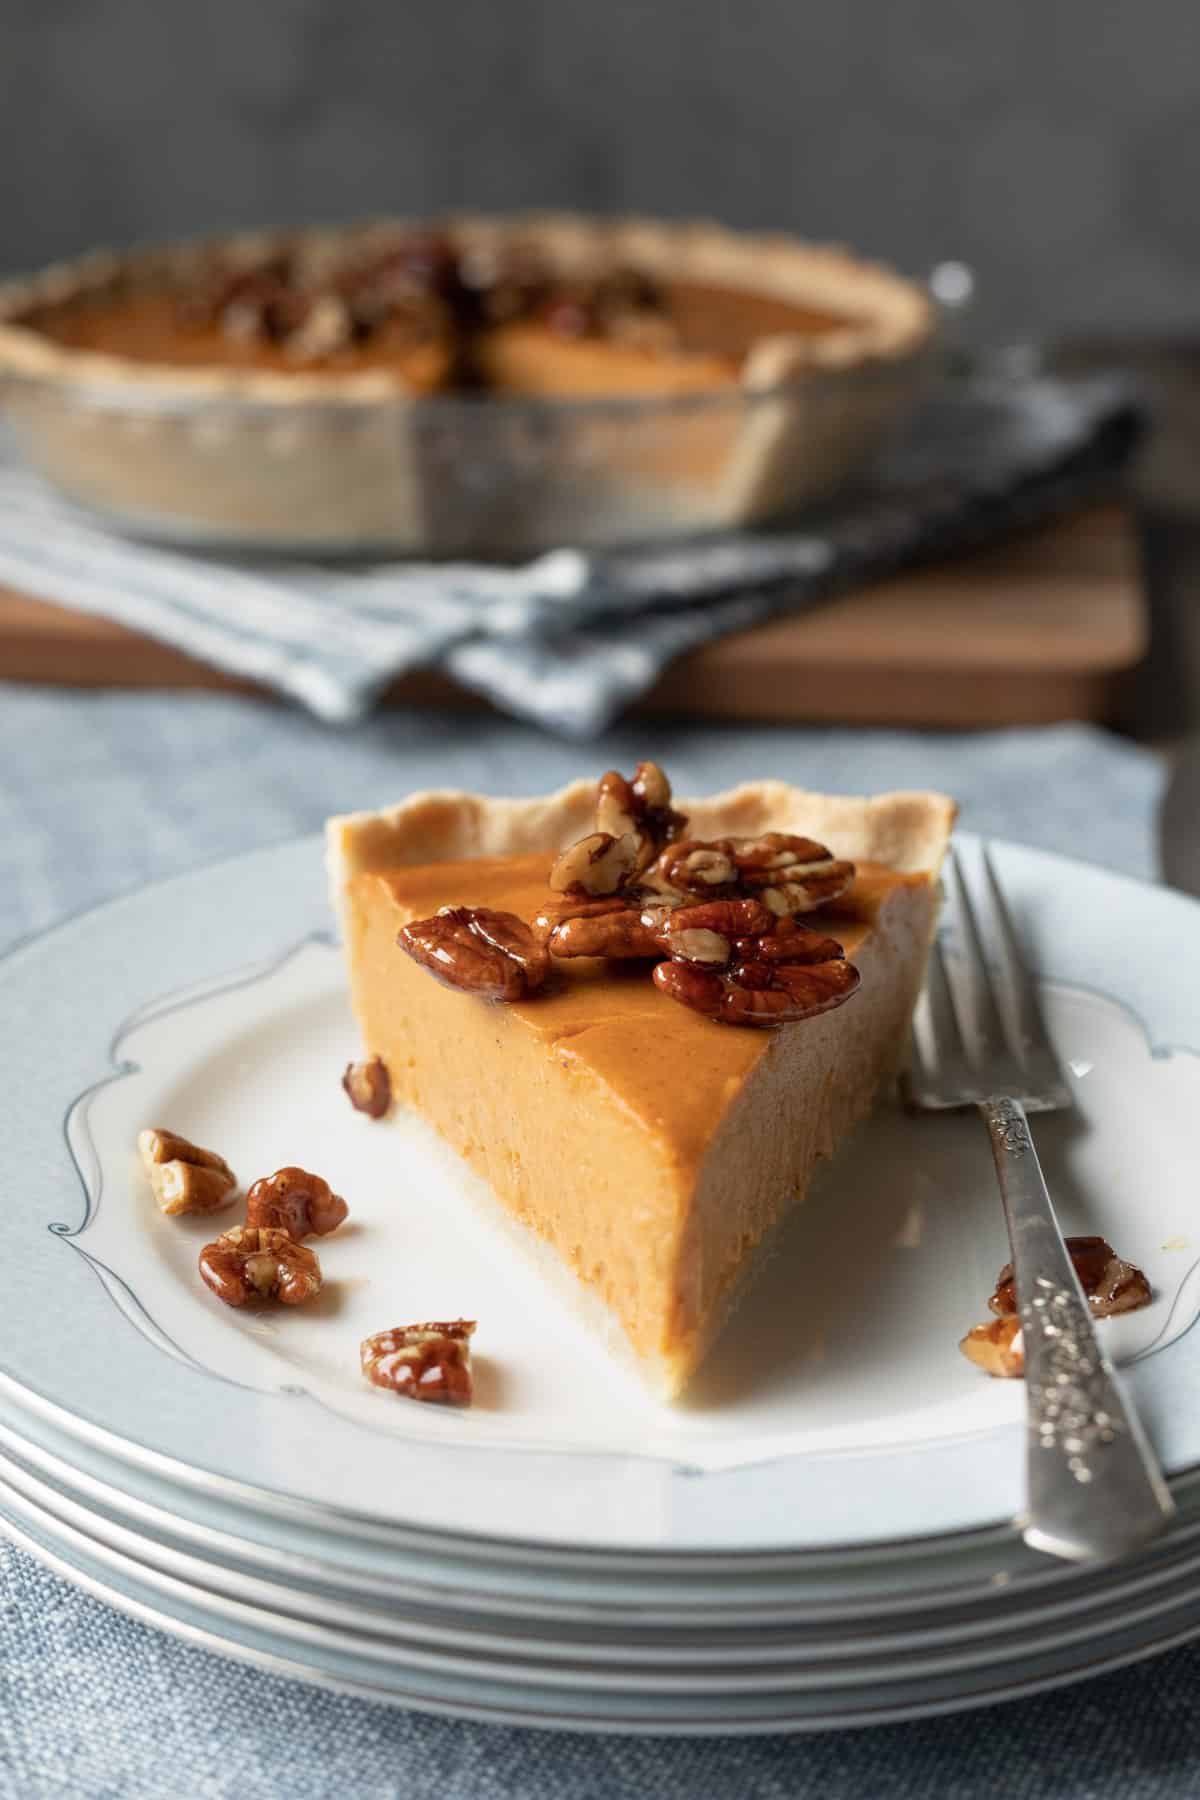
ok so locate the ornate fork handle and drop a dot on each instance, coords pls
(1094, 1490)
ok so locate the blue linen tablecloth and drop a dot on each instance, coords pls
(101, 793)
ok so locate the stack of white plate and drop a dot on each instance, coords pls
(818, 1537)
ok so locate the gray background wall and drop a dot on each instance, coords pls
(1053, 144)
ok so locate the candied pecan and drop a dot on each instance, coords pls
(616, 805)
(793, 874)
(597, 864)
(184, 1177)
(634, 821)
(1110, 1284)
(423, 1362)
(548, 918)
(760, 993)
(618, 935)
(641, 807)
(697, 943)
(787, 943)
(294, 1201)
(997, 1346)
(788, 874)
(255, 1263)
(691, 866)
(325, 326)
(737, 920)
(368, 1086)
(703, 990)
(492, 954)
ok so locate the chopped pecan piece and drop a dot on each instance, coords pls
(368, 1086)
(251, 1263)
(1111, 1284)
(997, 1346)
(184, 1177)
(597, 864)
(491, 954)
(423, 1362)
(294, 1201)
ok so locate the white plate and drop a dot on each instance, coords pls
(838, 1411)
(479, 1692)
(689, 1657)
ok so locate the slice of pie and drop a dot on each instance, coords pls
(644, 1147)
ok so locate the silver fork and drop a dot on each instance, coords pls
(1094, 1488)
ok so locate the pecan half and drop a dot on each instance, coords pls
(732, 920)
(491, 954)
(597, 864)
(423, 1362)
(548, 918)
(294, 1201)
(251, 1263)
(694, 867)
(617, 933)
(997, 1346)
(184, 1177)
(1111, 1284)
(634, 821)
(641, 807)
(789, 874)
(783, 975)
(368, 1086)
(793, 874)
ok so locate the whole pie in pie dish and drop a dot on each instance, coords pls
(641, 1020)
(494, 385)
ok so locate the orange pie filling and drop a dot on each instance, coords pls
(648, 1147)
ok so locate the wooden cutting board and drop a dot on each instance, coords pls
(1041, 628)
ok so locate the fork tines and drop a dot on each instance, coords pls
(978, 1030)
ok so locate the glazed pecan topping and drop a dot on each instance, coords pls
(423, 1362)
(368, 1087)
(800, 975)
(294, 1201)
(184, 1177)
(493, 955)
(696, 868)
(1111, 1284)
(597, 864)
(733, 921)
(616, 929)
(546, 921)
(998, 1347)
(634, 821)
(251, 1263)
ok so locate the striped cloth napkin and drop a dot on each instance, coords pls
(570, 639)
